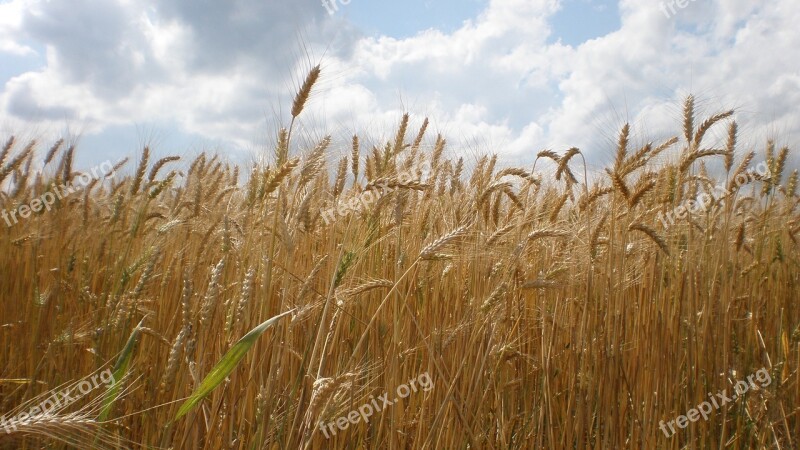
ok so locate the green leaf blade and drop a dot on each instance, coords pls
(119, 371)
(226, 365)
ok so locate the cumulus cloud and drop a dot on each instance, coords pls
(498, 76)
(10, 27)
(220, 69)
(214, 68)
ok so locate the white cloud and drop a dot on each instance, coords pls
(10, 26)
(220, 69)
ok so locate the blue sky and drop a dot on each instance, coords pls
(581, 20)
(509, 76)
(576, 22)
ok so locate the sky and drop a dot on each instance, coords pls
(505, 76)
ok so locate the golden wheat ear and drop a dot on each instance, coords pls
(53, 423)
(622, 147)
(649, 232)
(431, 249)
(354, 159)
(73, 430)
(688, 119)
(305, 91)
(6, 149)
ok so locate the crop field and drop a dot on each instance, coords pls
(401, 296)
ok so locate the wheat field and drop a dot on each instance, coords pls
(254, 307)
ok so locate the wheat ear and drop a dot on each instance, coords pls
(730, 146)
(137, 179)
(563, 168)
(399, 139)
(50, 153)
(341, 174)
(433, 248)
(651, 234)
(639, 193)
(159, 164)
(740, 169)
(622, 147)
(499, 233)
(707, 124)
(420, 136)
(277, 178)
(688, 118)
(305, 91)
(6, 149)
(16, 161)
(354, 159)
